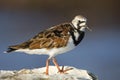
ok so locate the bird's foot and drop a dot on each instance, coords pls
(64, 71)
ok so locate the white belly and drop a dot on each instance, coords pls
(51, 52)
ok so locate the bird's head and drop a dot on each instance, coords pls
(80, 23)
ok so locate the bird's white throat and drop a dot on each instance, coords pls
(82, 28)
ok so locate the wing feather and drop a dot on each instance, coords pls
(54, 37)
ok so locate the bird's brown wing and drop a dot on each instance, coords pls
(54, 37)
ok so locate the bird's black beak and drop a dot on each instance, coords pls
(88, 28)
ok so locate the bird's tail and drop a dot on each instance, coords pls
(11, 49)
(19, 46)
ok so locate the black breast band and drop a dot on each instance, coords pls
(80, 37)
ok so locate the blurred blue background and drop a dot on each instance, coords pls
(99, 52)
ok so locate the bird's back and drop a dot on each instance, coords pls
(54, 37)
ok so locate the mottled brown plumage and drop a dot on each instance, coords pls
(54, 37)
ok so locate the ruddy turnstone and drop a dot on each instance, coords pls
(55, 40)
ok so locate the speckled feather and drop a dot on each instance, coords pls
(54, 37)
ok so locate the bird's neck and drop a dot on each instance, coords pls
(82, 29)
(77, 34)
(74, 23)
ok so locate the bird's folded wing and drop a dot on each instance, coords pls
(54, 37)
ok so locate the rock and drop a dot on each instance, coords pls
(38, 74)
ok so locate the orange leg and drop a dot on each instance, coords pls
(47, 66)
(56, 64)
(60, 70)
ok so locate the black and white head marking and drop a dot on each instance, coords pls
(79, 22)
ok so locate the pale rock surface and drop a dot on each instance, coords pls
(38, 74)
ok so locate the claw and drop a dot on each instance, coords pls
(64, 71)
(60, 70)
